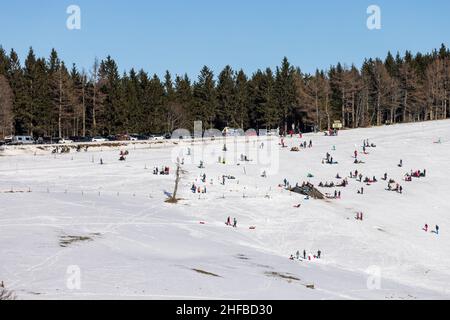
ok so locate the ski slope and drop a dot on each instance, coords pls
(110, 222)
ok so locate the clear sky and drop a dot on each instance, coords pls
(184, 35)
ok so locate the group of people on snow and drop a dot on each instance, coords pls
(198, 189)
(123, 155)
(398, 188)
(366, 144)
(230, 224)
(337, 195)
(305, 144)
(328, 159)
(165, 171)
(306, 256)
(435, 231)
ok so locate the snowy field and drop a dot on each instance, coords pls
(64, 213)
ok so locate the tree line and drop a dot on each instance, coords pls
(45, 97)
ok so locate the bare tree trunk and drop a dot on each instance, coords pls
(405, 106)
(353, 110)
(84, 106)
(327, 112)
(343, 108)
(173, 198)
(317, 110)
(60, 104)
(378, 108)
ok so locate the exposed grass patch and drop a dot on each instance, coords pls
(65, 241)
(206, 273)
(281, 276)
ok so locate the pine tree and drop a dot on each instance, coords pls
(184, 102)
(226, 99)
(6, 107)
(204, 98)
(242, 100)
(285, 91)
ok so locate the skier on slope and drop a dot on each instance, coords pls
(235, 223)
(304, 254)
(318, 254)
(437, 229)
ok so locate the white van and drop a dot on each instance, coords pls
(19, 140)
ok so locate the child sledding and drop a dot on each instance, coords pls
(435, 231)
(123, 155)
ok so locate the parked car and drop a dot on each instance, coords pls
(99, 139)
(156, 137)
(122, 137)
(8, 139)
(65, 141)
(79, 139)
(46, 140)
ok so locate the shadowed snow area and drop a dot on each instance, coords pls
(111, 221)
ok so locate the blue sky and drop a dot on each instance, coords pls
(184, 35)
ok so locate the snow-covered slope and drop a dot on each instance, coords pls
(112, 223)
